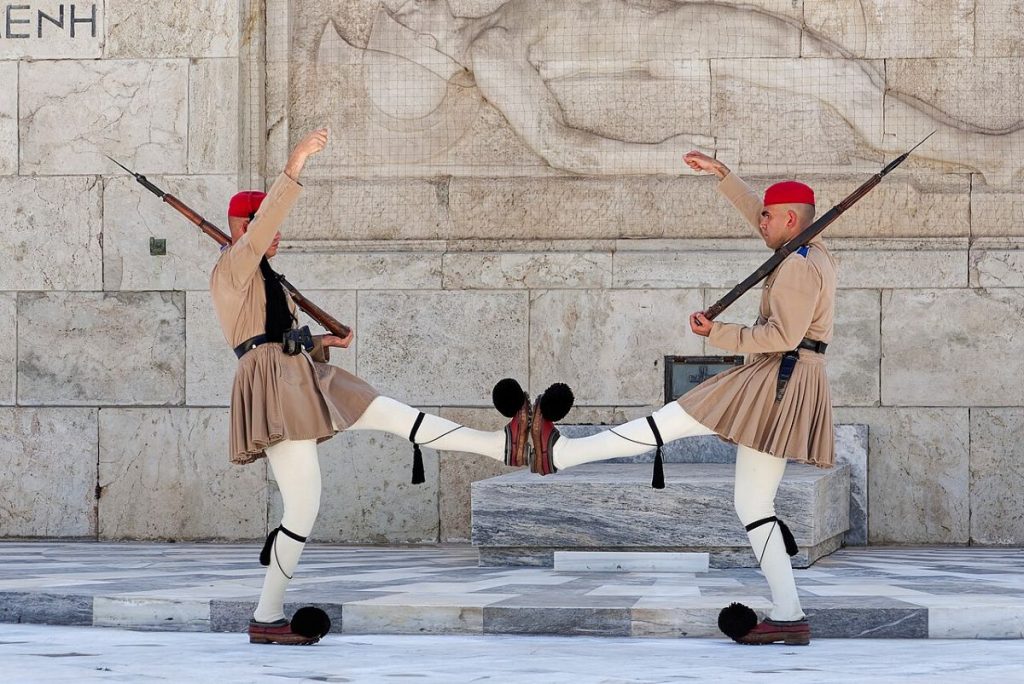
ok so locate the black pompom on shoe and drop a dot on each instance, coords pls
(737, 620)
(311, 622)
(508, 397)
(556, 402)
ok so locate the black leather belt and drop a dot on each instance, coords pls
(813, 345)
(788, 363)
(250, 344)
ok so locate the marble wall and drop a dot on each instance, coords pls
(470, 231)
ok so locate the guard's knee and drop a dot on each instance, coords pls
(748, 509)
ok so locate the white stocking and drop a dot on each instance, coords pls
(757, 481)
(297, 472)
(387, 415)
(629, 439)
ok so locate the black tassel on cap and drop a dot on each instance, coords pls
(658, 480)
(417, 455)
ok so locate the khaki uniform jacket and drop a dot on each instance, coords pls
(276, 396)
(797, 301)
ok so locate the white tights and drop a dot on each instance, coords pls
(757, 481)
(297, 472)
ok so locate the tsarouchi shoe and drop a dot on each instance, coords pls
(279, 632)
(512, 402)
(550, 406)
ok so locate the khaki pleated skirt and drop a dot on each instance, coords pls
(277, 397)
(739, 405)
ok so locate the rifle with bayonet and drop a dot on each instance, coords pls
(805, 236)
(329, 323)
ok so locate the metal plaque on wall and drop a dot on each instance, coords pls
(683, 373)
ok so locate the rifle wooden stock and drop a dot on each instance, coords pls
(805, 236)
(329, 323)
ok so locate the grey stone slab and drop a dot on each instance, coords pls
(675, 622)
(174, 615)
(8, 117)
(45, 609)
(549, 620)
(929, 360)
(997, 262)
(136, 111)
(411, 342)
(179, 457)
(852, 450)
(151, 28)
(68, 31)
(132, 217)
(457, 471)
(367, 496)
(51, 454)
(621, 511)
(109, 348)
(918, 473)
(366, 618)
(213, 115)
(868, 623)
(997, 482)
(574, 334)
(231, 616)
(37, 257)
(8, 355)
(476, 270)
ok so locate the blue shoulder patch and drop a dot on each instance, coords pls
(803, 251)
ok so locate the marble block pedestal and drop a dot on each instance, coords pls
(522, 518)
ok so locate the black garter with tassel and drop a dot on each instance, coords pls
(787, 537)
(417, 456)
(658, 479)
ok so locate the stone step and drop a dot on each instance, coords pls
(624, 561)
(523, 519)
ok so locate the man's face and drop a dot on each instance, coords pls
(432, 17)
(779, 223)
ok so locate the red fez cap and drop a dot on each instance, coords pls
(788, 192)
(245, 203)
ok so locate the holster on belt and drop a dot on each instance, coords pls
(788, 363)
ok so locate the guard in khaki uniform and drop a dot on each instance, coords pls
(286, 398)
(776, 407)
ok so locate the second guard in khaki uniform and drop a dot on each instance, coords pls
(776, 407)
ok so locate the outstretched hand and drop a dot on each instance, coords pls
(698, 161)
(699, 324)
(311, 144)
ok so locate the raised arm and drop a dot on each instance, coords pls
(739, 194)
